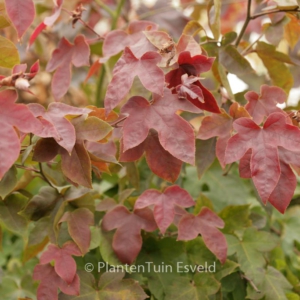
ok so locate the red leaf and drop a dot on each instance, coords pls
(264, 104)
(264, 164)
(65, 265)
(50, 282)
(117, 40)
(127, 67)
(175, 134)
(164, 204)
(205, 223)
(13, 115)
(57, 122)
(21, 13)
(160, 161)
(193, 66)
(127, 241)
(49, 21)
(62, 59)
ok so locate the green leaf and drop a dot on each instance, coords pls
(41, 204)
(202, 286)
(235, 217)
(275, 61)
(221, 190)
(9, 55)
(9, 209)
(273, 285)
(110, 286)
(8, 182)
(205, 154)
(156, 255)
(249, 250)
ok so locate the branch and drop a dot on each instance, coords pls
(248, 19)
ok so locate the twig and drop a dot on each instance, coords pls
(27, 168)
(227, 171)
(44, 176)
(273, 12)
(249, 18)
(251, 283)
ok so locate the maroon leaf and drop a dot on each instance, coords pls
(264, 163)
(127, 241)
(286, 185)
(175, 134)
(49, 21)
(13, 115)
(193, 66)
(260, 106)
(117, 40)
(164, 204)
(50, 282)
(21, 13)
(127, 67)
(65, 265)
(62, 58)
(57, 122)
(205, 223)
(160, 161)
(79, 221)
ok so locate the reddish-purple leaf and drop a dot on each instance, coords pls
(49, 21)
(164, 204)
(193, 66)
(127, 67)
(264, 164)
(175, 134)
(65, 265)
(21, 13)
(206, 224)
(13, 115)
(62, 59)
(50, 282)
(127, 241)
(57, 122)
(260, 106)
(116, 41)
(221, 125)
(79, 221)
(160, 161)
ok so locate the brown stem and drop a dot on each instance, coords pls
(251, 283)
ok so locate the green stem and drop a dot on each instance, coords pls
(117, 14)
(106, 8)
(99, 86)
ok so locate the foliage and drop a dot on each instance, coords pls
(138, 169)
